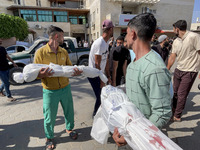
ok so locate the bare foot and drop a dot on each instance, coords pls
(177, 119)
(49, 144)
(73, 134)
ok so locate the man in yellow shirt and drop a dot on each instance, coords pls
(55, 89)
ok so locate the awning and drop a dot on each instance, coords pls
(70, 10)
(159, 31)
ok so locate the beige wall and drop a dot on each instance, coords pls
(44, 3)
(167, 12)
(4, 5)
(78, 28)
(30, 2)
(194, 26)
(103, 10)
(94, 10)
(170, 11)
(44, 26)
(8, 42)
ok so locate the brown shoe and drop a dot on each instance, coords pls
(11, 99)
(2, 94)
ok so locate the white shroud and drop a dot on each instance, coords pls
(30, 72)
(117, 111)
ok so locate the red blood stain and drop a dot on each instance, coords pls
(153, 128)
(158, 140)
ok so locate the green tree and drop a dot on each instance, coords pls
(12, 26)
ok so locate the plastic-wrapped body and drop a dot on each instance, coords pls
(117, 111)
(30, 72)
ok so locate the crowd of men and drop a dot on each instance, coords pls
(139, 60)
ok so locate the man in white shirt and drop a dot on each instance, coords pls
(98, 58)
(85, 44)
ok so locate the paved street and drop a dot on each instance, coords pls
(21, 122)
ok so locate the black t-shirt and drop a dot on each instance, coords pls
(162, 51)
(3, 59)
(120, 54)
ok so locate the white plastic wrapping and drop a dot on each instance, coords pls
(18, 77)
(117, 111)
(30, 72)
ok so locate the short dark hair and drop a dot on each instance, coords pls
(121, 38)
(144, 25)
(181, 24)
(53, 30)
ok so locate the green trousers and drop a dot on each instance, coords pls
(51, 98)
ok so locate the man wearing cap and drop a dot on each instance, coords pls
(98, 59)
(161, 48)
(186, 50)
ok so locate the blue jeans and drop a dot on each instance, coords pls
(95, 83)
(4, 76)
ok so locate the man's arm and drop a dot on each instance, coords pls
(107, 69)
(98, 61)
(158, 83)
(8, 57)
(114, 72)
(98, 66)
(171, 60)
(124, 68)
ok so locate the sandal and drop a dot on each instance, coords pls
(73, 135)
(176, 119)
(49, 143)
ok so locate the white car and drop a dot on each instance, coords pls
(16, 48)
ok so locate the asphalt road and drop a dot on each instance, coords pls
(21, 122)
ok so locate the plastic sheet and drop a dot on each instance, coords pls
(117, 111)
(30, 72)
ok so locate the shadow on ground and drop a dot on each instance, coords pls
(17, 136)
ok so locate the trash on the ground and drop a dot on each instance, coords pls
(117, 111)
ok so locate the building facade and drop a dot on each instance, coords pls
(83, 18)
(120, 12)
(40, 14)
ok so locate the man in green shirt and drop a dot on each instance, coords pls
(147, 78)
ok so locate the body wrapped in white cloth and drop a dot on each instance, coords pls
(30, 72)
(117, 111)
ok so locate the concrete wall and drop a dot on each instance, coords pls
(194, 26)
(78, 28)
(110, 10)
(8, 42)
(72, 4)
(170, 11)
(4, 5)
(103, 10)
(167, 12)
(44, 26)
(44, 3)
(94, 20)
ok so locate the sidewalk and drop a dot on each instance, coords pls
(21, 122)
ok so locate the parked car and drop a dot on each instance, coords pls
(16, 48)
(78, 56)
